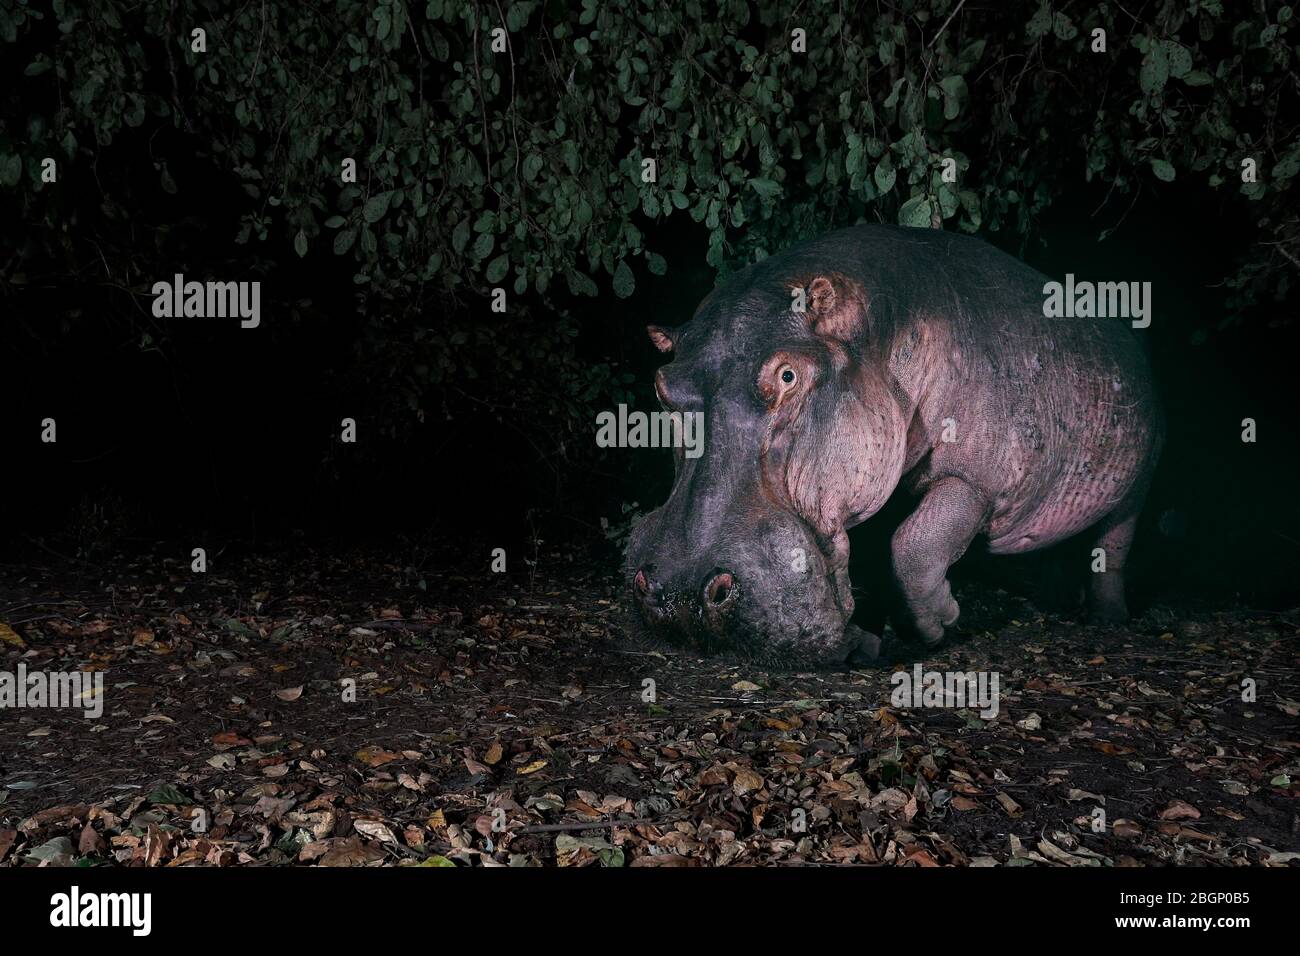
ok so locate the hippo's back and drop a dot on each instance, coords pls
(1056, 417)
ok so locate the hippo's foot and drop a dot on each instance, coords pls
(1109, 614)
(932, 614)
(864, 647)
(1106, 604)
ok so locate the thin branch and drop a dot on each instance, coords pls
(955, 10)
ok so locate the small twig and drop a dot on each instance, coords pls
(598, 825)
(57, 554)
(23, 607)
(397, 624)
(487, 140)
(956, 10)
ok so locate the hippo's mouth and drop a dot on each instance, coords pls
(686, 627)
(754, 583)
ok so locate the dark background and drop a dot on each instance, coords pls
(232, 433)
(200, 432)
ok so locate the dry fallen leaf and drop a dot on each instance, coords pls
(1126, 828)
(7, 838)
(375, 830)
(89, 843)
(1009, 805)
(746, 781)
(289, 693)
(349, 852)
(376, 756)
(1106, 747)
(1054, 852)
(1074, 794)
(9, 636)
(1180, 810)
(1275, 858)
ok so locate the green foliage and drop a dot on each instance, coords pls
(524, 167)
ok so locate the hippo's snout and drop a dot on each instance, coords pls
(766, 595)
(708, 605)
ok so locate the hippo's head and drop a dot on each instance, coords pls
(803, 437)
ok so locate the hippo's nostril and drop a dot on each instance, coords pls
(720, 587)
(648, 591)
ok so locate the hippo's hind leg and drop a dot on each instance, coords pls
(1106, 604)
(932, 538)
(1114, 536)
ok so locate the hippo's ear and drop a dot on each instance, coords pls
(836, 306)
(661, 337)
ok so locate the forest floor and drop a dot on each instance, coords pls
(362, 709)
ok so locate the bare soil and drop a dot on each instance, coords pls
(320, 708)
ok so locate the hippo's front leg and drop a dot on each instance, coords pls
(863, 646)
(932, 538)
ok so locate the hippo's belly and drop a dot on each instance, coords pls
(1086, 472)
(1078, 503)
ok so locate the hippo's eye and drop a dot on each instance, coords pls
(779, 378)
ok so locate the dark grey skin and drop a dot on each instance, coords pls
(919, 358)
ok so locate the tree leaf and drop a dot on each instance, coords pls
(916, 212)
(1178, 57)
(885, 175)
(1155, 69)
(1040, 22)
(376, 206)
(954, 95)
(497, 268)
(624, 282)
(344, 240)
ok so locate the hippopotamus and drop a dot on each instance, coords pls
(870, 361)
